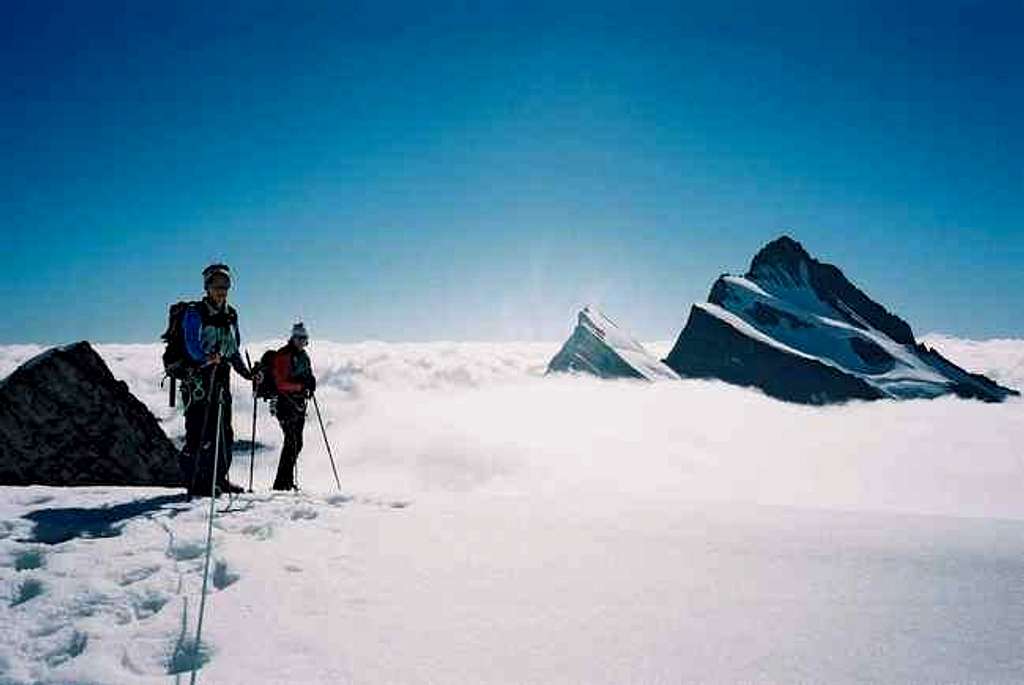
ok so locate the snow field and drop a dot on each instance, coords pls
(327, 589)
(100, 585)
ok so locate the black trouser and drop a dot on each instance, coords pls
(201, 436)
(291, 414)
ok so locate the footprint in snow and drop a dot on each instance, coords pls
(47, 629)
(135, 575)
(28, 559)
(186, 550)
(222, 575)
(338, 500)
(94, 603)
(186, 657)
(28, 589)
(148, 604)
(304, 513)
(69, 647)
(260, 531)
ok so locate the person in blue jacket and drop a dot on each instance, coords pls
(212, 342)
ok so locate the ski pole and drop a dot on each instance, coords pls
(326, 442)
(252, 450)
(209, 537)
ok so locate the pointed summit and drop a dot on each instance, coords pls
(599, 347)
(783, 261)
(786, 270)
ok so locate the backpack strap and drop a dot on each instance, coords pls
(233, 318)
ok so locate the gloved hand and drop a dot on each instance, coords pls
(311, 385)
(308, 393)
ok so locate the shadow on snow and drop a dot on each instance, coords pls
(53, 526)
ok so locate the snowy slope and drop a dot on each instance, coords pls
(812, 330)
(500, 526)
(315, 589)
(599, 347)
(999, 359)
(791, 305)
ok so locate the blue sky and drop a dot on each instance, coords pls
(477, 171)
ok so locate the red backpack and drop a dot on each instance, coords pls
(267, 388)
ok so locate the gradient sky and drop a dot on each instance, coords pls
(477, 171)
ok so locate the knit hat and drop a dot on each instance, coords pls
(216, 272)
(299, 331)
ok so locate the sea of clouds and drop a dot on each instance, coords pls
(409, 419)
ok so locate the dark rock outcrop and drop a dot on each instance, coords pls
(65, 420)
(801, 331)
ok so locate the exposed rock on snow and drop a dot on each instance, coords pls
(599, 347)
(65, 420)
(799, 330)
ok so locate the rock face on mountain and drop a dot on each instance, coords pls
(65, 420)
(599, 347)
(800, 331)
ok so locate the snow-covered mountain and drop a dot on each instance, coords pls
(799, 330)
(598, 346)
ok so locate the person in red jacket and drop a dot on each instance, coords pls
(293, 376)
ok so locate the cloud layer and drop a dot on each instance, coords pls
(413, 419)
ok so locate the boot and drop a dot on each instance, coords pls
(229, 487)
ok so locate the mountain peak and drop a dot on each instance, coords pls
(600, 347)
(782, 260)
(784, 264)
(800, 330)
(784, 243)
